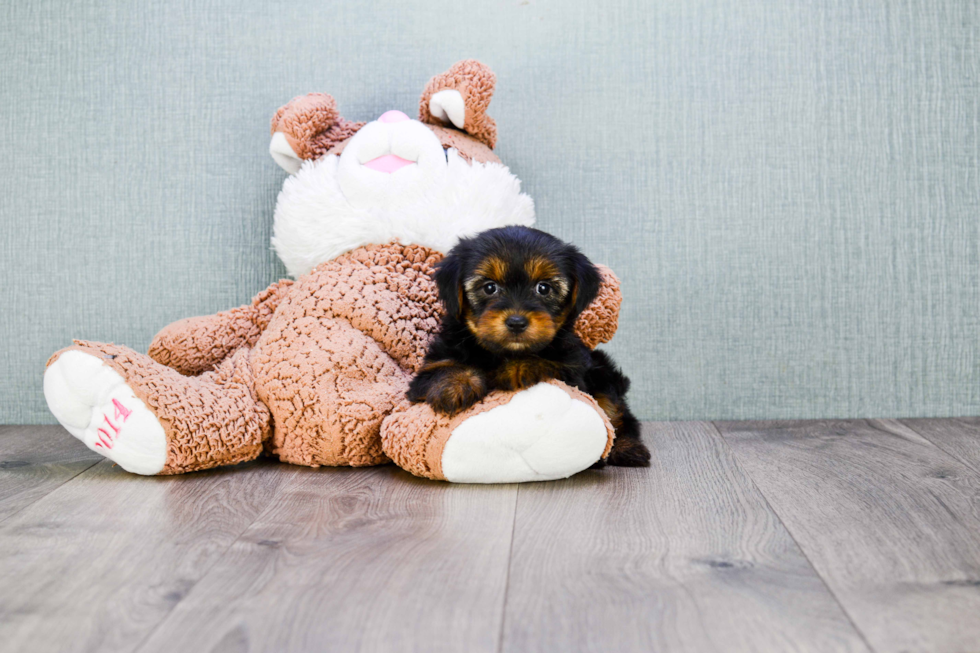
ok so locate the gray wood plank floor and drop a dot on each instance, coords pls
(683, 556)
(34, 460)
(890, 521)
(788, 536)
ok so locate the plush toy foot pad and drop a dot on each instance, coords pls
(542, 434)
(546, 432)
(94, 403)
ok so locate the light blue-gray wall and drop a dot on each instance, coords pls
(789, 190)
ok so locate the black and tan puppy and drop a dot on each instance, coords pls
(511, 297)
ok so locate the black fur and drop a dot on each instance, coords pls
(488, 278)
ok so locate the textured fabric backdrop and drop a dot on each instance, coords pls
(789, 190)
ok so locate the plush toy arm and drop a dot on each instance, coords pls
(460, 97)
(306, 128)
(196, 344)
(597, 324)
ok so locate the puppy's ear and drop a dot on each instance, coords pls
(449, 281)
(587, 283)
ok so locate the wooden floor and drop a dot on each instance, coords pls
(791, 536)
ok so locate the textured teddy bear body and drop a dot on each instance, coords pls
(339, 353)
(335, 356)
(315, 371)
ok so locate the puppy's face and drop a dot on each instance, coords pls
(515, 287)
(515, 302)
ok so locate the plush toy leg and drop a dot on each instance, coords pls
(543, 433)
(148, 418)
(328, 390)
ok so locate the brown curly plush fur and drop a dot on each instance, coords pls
(308, 371)
(597, 324)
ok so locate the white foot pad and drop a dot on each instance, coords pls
(542, 434)
(95, 405)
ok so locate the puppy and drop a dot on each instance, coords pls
(511, 298)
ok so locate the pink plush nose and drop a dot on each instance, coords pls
(393, 116)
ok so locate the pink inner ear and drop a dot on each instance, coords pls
(388, 163)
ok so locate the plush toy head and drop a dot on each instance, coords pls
(427, 182)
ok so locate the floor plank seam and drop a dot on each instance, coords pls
(792, 536)
(510, 561)
(210, 568)
(54, 489)
(967, 463)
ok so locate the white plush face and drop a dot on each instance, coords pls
(389, 158)
(392, 183)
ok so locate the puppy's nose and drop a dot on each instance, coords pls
(516, 323)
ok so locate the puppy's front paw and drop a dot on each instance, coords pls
(456, 390)
(629, 452)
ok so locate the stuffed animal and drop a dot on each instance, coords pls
(314, 370)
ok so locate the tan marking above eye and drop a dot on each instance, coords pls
(539, 268)
(492, 268)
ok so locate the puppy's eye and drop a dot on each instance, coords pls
(543, 289)
(490, 288)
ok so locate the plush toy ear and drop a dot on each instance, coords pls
(598, 323)
(306, 128)
(449, 281)
(587, 282)
(459, 97)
